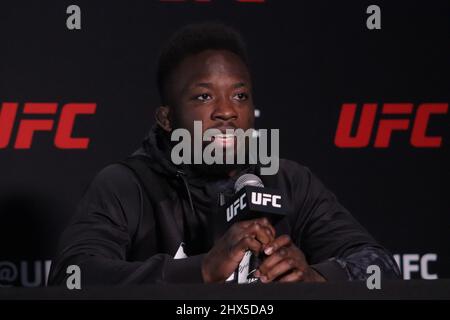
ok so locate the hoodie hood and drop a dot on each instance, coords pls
(156, 147)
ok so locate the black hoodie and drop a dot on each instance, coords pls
(121, 234)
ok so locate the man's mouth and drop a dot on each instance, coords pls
(226, 129)
(224, 139)
(225, 136)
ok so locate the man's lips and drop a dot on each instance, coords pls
(224, 129)
(227, 134)
(225, 138)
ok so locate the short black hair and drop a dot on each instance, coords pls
(193, 39)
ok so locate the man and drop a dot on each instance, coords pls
(147, 220)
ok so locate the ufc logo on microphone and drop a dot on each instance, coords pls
(27, 127)
(239, 204)
(265, 198)
(417, 124)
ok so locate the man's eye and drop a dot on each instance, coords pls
(203, 97)
(241, 96)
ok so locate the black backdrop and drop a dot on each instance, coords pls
(308, 59)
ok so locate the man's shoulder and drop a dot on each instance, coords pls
(115, 178)
(292, 169)
(299, 177)
(114, 172)
(291, 176)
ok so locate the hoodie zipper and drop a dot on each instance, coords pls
(181, 174)
(189, 219)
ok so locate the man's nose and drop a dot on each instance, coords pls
(224, 110)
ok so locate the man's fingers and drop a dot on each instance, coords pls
(263, 222)
(246, 243)
(294, 276)
(281, 241)
(278, 270)
(261, 233)
(272, 260)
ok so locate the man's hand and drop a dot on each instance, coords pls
(221, 261)
(285, 263)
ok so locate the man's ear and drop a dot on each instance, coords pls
(162, 116)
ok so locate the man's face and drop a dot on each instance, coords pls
(213, 87)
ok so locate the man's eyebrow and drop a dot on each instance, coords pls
(188, 86)
(239, 85)
(209, 85)
(203, 84)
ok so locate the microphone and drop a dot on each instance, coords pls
(251, 200)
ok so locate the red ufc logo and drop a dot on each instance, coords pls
(27, 127)
(417, 125)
